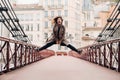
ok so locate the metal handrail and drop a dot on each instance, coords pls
(15, 54)
(106, 53)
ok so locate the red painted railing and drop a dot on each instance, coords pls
(106, 54)
(15, 54)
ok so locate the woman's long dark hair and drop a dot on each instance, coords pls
(55, 19)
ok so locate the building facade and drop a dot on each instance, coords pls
(95, 19)
(70, 10)
(42, 18)
(30, 17)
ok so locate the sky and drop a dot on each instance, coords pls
(27, 1)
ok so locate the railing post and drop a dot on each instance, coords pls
(36, 56)
(89, 54)
(99, 56)
(15, 57)
(32, 54)
(28, 54)
(110, 55)
(25, 55)
(119, 57)
(95, 54)
(92, 55)
(7, 57)
(21, 52)
(104, 52)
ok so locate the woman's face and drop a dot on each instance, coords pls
(59, 21)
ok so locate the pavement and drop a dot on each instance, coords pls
(61, 68)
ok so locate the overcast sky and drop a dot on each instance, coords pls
(27, 1)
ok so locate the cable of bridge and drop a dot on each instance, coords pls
(108, 30)
(14, 15)
(8, 22)
(16, 19)
(5, 22)
(18, 31)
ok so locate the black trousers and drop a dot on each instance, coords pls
(62, 44)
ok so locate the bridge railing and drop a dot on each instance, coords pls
(106, 54)
(15, 54)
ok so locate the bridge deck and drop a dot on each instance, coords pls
(62, 68)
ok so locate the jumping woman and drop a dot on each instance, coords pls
(58, 36)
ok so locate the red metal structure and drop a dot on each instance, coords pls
(106, 54)
(106, 49)
(15, 54)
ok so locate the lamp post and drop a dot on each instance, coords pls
(70, 37)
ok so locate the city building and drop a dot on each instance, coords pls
(41, 15)
(30, 16)
(71, 11)
(95, 19)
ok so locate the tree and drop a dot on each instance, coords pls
(115, 0)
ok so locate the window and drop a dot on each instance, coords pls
(30, 37)
(46, 24)
(95, 24)
(77, 6)
(52, 13)
(46, 13)
(59, 2)
(46, 2)
(77, 16)
(38, 27)
(27, 27)
(31, 27)
(59, 13)
(66, 2)
(21, 17)
(45, 35)
(31, 17)
(88, 16)
(37, 17)
(66, 13)
(22, 27)
(66, 23)
(26, 17)
(52, 2)
(38, 37)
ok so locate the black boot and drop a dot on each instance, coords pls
(45, 46)
(74, 49)
(79, 51)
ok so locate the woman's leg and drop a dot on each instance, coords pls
(46, 46)
(71, 47)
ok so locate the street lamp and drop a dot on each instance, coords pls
(70, 37)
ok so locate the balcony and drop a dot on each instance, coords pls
(92, 28)
(88, 38)
(55, 6)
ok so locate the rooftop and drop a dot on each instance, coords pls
(27, 7)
